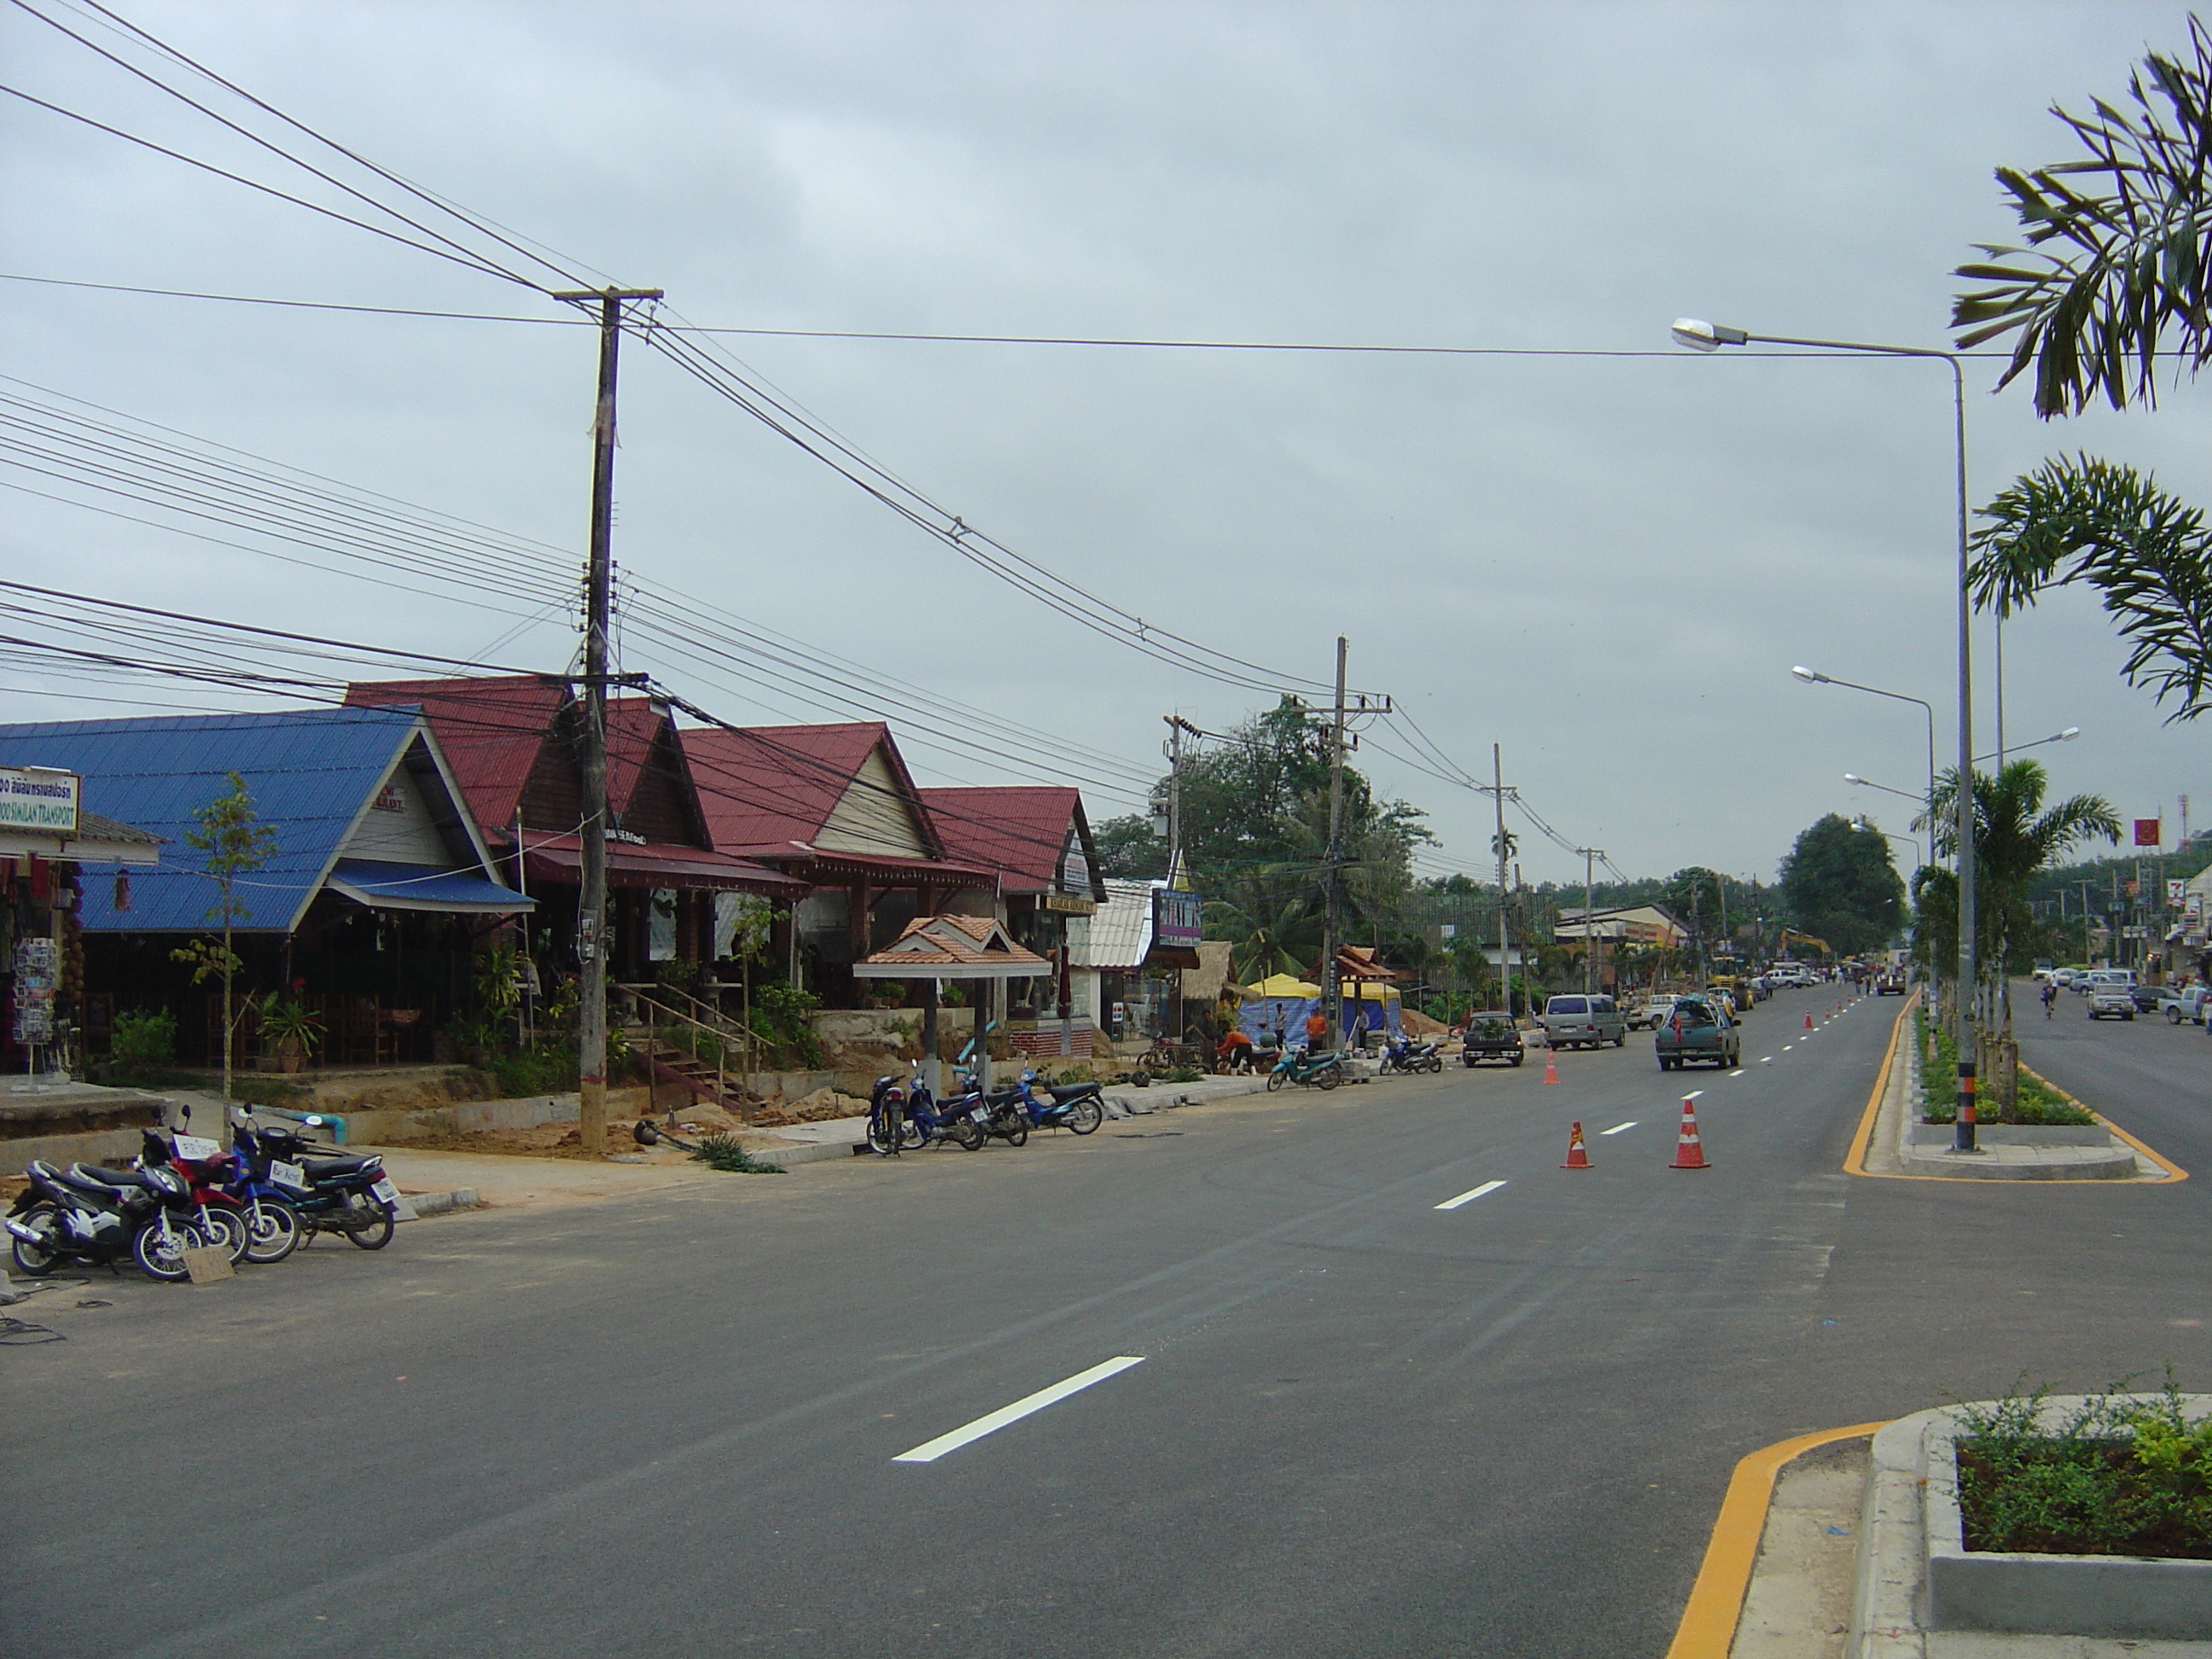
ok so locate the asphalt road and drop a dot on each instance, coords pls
(1361, 1425)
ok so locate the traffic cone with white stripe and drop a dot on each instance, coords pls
(1808, 1020)
(1689, 1150)
(1578, 1154)
(1551, 1064)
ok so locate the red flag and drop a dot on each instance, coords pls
(2148, 832)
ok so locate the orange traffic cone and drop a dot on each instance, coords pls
(1578, 1154)
(1551, 1064)
(1689, 1150)
(1808, 1020)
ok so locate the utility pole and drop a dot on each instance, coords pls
(1177, 726)
(1590, 856)
(592, 905)
(1498, 794)
(1332, 992)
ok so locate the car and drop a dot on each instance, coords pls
(1700, 1030)
(1582, 1022)
(1491, 1034)
(1891, 984)
(1653, 1011)
(2185, 1004)
(2147, 997)
(2064, 978)
(2111, 1000)
(2125, 978)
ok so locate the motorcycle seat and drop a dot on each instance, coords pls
(92, 1178)
(1002, 1097)
(1064, 1093)
(322, 1169)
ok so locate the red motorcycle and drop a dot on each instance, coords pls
(209, 1170)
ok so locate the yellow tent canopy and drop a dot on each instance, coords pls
(1283, 985)
(1370, 991)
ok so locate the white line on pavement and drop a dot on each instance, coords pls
(930, 1450)
(1468, 1198)
(1766, 1060)
(1618, 1128)
(1737, 1072)
(1787, 1047)
(1693, 1094)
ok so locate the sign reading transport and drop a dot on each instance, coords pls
(37, 797)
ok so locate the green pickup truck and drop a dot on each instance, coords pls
(1699, 1029)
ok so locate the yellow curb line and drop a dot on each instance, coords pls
(1862, 1137)
(1707, 1629)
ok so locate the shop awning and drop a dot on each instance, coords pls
(422, 887)
(649, 864)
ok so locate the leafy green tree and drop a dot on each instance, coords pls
(2016, 839)
(1129, 850)
(2146, 552)
(1838, 881)
(233, 841)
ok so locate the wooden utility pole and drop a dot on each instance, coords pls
(1498, 794)
(1590, 856)
(592, 904)
(1332, 991)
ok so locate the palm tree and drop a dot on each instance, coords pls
(2146, 551)
(2117, 267)
(2014, 839)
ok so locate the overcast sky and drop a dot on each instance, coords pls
(1607, 564)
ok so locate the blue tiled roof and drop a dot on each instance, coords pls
(309, 771)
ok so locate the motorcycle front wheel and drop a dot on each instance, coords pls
(272, 1231)
(880, 1138)
(1085, 1115)
(1274, 1081)
(226, 1228)
(161, 1255)
(34, 1260)
(368, 1225)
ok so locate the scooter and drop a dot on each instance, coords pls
(1407, 1056)
(902, 1117)
(1321, 1071)
(349, 1195)
(1078, 1107)
(93, 1215)
(207, 1170)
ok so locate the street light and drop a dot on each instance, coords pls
(1854, 779)
(2067, 735)
(1814, 677)
(1701, 336)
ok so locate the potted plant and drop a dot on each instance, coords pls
(292, 1031)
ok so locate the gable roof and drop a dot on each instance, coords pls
(313, 774)
(773, 791)
(1120, 933)
(1021, 830)
(954, 947)
(491, 729)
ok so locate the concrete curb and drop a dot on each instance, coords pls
(2000, 1158)
(425, 1205)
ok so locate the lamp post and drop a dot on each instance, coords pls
(1812, 676)
(2067, 735)
(1701, 336)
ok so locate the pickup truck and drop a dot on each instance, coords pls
(2186, 1006)
(1698, 1029)
(1491, 1036)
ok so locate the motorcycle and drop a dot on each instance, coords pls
(347, 1194)
(207, 1170)
(1321, 1071)
(901, 1117)
(1079, 1108)
(93, 1215)
(1408, 1057)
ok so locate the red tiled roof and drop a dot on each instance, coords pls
(490, 729)
(632, 725)
(1018, 831)
(765, 787)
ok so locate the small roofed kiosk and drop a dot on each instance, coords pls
(1036, 842)
(514, 743)
(832, 807)
(971, 949)
(1369, 991)
(49, 843)
(374, 889)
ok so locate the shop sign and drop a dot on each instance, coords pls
(35, 798)
(1068, 904)
(1178, 918)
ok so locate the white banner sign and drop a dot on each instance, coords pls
(32, 797)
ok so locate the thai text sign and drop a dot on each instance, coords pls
(32, 797)
(1178, 917)
(2149, 832)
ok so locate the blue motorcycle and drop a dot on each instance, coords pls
(910, 1116)
(1321, 1071)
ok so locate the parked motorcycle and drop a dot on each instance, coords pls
(900, 1117)
(93, 1215)
(1079, 1108)
(1321, 1070)
(347, 1194)
(207, 1170)
(1405, 1055)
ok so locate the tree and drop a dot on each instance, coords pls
(233, 842)
(2015, 838)
(2145, 552)
(1129, 850)
(1838, 881)
(2117, 267)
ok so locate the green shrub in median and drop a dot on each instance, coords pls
(2114, 1476)
(2038, 1103)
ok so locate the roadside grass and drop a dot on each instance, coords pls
(2114, 1477)
(723, 1152)
(2038, 1103)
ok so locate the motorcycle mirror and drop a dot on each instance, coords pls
(314, 1120)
